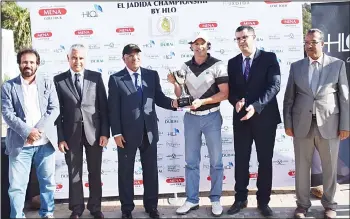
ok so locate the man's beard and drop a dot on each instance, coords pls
(27, 74)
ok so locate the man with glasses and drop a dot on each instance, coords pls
(133, 94)
(83, 122)
(254, 81)
(316, 114)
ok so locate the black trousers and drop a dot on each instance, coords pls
(74, 160)
(126, 161)
(264, 137)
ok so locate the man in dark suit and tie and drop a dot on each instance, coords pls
(83, 122)
(133, 93)
(254, 81)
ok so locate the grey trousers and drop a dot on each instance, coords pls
(328, 150)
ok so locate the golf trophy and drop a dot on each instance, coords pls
(185, 99)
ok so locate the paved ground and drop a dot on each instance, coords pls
(282, 203)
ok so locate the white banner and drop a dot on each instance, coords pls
(162, 29)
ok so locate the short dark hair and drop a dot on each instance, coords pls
(26, 51)
(315, 30)
(241, 28)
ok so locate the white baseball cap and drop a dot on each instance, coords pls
(200, 35)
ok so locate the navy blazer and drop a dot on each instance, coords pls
(260, 89)
(129, 113)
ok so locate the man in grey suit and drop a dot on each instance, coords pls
(316, 114)
(133, 93)
(30, 108)
(83, 122)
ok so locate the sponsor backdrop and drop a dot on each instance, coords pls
(333, 20)
(162, 29)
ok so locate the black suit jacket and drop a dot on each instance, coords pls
(92, 109)
(260, 89)
(129, 113)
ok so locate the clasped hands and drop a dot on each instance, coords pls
(250, 109)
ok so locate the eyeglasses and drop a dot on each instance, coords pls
(237, 39)
(313, 43)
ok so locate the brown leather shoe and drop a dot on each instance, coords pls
(300, 212)
(317, 191)
(329, 213)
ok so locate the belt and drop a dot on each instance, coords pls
(205, 112)
(313, 116)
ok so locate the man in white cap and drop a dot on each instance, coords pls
(207, 83)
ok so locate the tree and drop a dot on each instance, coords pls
(16, 18)
(306, 18)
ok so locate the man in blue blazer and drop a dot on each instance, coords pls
(133, 93)
(254, 81)
(30, 108)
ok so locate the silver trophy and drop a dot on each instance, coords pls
(185, 99)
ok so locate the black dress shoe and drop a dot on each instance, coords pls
(153, 213)
(97, 215)
(237, 206)
(126, 215)
(74, 215)
(265, 210)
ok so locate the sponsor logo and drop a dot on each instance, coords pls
(64, 175)
(276, 50)
(174, 156)
(167, 43)
(160, 169)
(295, 49)
(253, 175)
(150, 44)
(172, 144)
(170, 55)
(175, 180)
(138, 182)
(151, 56)
(274, 37)
(250, 23)
(171, 120)
(236, 4)
(97, 60)
(174, 168)
(280, 162)
(125, 30)
(186, 55)
(87, 184)
(229, 166)
(209, 178)
(166, 25)
(93, 13)
(138, 171)
(59, 49)
(227, 128)
(114, 58)
(43, 35)
(160, 133)
(289, 21)
(59, 186)
(209, 25)
(174, 133)
(206, 166)
(112, 45)
(86, 32)
(291, 172)
(226, 140)
(52, 13)
(94, 46)
(184, 41)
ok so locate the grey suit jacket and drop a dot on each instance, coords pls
(331, 99)
(129, 113)
(90, 111)
(14, 116)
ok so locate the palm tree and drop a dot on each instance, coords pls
(16, 18)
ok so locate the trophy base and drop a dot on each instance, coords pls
(184, 101)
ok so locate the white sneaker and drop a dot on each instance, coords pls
(216, 209)
(187, 207)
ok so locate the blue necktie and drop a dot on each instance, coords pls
(247, 68)
(137, 85)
